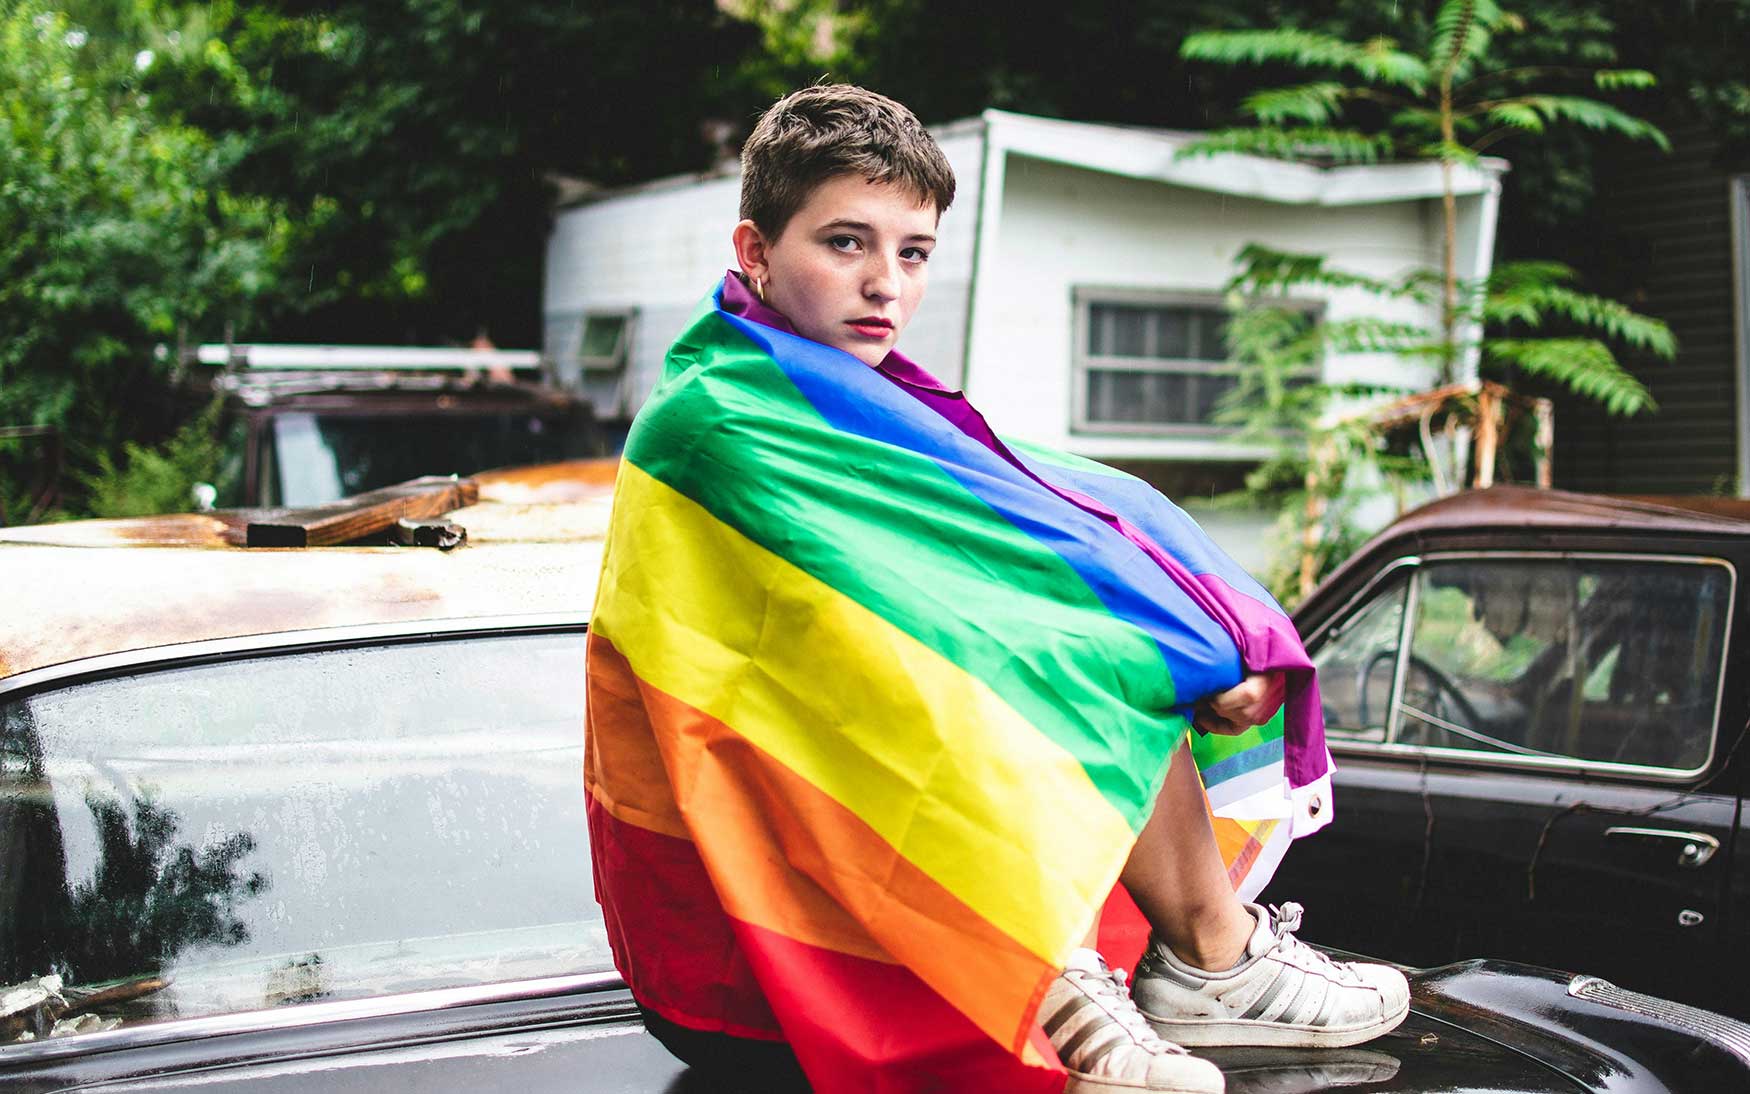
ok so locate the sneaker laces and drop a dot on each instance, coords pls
(1110, 987)
(1284, 921)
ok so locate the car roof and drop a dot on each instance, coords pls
(1528, 507)
(85, 589)
(1513, 517)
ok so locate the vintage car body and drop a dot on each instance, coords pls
(1613, 840)
(366, 760)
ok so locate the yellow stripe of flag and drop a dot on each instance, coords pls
(927, 755)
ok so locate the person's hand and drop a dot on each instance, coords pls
(1251, 702)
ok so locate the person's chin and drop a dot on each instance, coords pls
(866, 352)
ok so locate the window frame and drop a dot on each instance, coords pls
(615, 360)
(271, 1019)
(573, 325)
(1082, 362)
(1390, 747)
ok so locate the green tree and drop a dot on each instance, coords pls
(418, 144)
(116, 232)
(1450, 97)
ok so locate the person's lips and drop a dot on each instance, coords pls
(871, 326)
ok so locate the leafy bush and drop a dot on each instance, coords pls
(157, 479)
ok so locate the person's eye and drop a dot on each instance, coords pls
(915, 254)
(843, 244)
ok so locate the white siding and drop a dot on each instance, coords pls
(1063, 227)
(659, 249)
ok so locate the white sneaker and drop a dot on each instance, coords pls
(1106, 1045)
(1283, 993)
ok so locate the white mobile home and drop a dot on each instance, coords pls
(1075, 292)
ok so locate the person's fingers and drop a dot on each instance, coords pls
(1251, 702)
(1205, 718)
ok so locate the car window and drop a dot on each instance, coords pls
(1356, 662)
(323, 457)
(1603, 660)
(313, 825)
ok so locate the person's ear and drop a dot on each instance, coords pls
(750, 250)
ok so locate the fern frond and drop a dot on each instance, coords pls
(1264, 270)
(1369, 334)
(1517, 116)
(1308, 142)
(1592, 114)
(1510, 275)
(1528, 292)
(1416, 119)
(1616, 320)
(1616, 79)
(1378, 60)
(1585, 366)
(1311, 104)
(1450, 151)
(1463, 30)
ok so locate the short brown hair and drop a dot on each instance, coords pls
(821, 132)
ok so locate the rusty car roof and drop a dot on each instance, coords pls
(1510, 508)
(84, 589)
(1528, 507)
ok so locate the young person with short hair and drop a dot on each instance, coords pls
(842, 192)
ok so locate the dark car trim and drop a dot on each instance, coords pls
(285, 642)
(1637, 772)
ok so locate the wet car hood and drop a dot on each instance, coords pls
(1475, 1026)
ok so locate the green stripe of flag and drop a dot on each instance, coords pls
(895, 532)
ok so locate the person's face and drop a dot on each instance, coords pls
(849, 269)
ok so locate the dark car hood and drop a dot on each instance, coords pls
(1478, 1026)
(1500, 1026)
(1424, 1054)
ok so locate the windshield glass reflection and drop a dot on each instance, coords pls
(284, 829)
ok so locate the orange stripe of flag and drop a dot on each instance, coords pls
(840, 882)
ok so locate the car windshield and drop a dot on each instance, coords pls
(314, 458)
(316, 825)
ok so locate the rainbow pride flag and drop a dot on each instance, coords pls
(876, 712)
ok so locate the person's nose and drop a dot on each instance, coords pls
(881, 278)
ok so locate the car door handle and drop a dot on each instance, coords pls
(1697, 848)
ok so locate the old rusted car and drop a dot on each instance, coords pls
(309, 424)
(308, 815)
(1537, 702)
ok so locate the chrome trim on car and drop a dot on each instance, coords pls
(1394, 708)
(1716, 1029)
(306, 1014)
(286, 642)
(1343, 612)
(1698, 847)
(1389, 747)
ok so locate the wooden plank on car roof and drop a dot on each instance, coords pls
(361, 515)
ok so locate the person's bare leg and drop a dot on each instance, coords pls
(1177, 877)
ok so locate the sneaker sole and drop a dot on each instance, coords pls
(1213, 1033)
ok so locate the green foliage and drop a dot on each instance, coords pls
(1377, 60)
(157, 479)
(1448, 94)
(1325, 467)
(116, 232)
(1517, 300)
(152, 898)
(1461, 100)
(417, 143)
